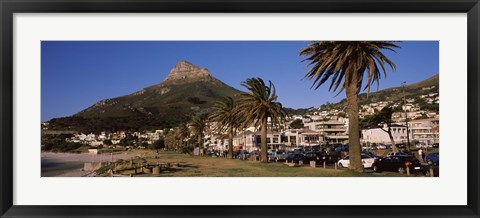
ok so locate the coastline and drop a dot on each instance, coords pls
(71, 164)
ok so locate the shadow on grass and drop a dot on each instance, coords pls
(175, 168)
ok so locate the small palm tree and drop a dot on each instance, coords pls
(198, 126)
(259, 104)
(183, 134)
(346, 63)
(225, 114)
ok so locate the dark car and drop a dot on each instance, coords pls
(397, 164)
(319, 157)
(398, 154)
(276, 156)
(212, 153)
(236, 153)
(433, 158)
(243, 155)
(371, 154)
(435, 145)
(341, 148)
(254, 155)
(294, 157)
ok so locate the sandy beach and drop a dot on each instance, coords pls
(71, 165)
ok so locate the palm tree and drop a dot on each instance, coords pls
(346, 63)
(259, 104)
(224, 113)
(181, 133)
(170, 139)
(198, 125)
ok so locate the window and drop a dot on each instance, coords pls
(293, 139)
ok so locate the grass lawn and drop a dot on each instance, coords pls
(221, 167)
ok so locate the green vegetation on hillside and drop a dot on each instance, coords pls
(395, 95)
(57, 143)
(156, 107)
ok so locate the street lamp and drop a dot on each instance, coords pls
(406, 117)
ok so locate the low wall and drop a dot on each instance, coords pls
(91, 166)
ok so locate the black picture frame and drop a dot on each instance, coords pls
(9, 7)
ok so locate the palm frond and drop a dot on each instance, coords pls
(337, 61)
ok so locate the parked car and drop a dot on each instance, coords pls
(432, 158)
(371, 154)
(236, 153)
(420, 145)
(243, 155)
(212, 153)
(341, 148)
(294, 157)
(398, 154)
(367, 161)
(397, 163)
(435, 145)
(319, 157)
(254, 154)
(282, 156)
(381, 146)
(276, 156)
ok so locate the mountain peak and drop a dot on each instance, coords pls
(184, 72)
(184, 65)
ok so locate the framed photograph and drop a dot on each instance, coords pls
(234, 108)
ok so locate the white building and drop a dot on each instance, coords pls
(333, 131)
(377, 135)
(250, 140)
(426, 130)
(218, 142)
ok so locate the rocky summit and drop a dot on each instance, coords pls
(187, 90)
(185, 72)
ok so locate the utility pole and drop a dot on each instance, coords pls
(244, 140)
(406, 117)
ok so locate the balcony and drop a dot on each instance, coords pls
(336, 136)
(333, 130)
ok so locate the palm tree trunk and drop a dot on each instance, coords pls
(200, 145)
(230, 142)
(263, 145)
(353, 127)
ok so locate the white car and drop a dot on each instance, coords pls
(367, 161)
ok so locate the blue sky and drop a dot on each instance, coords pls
(77, 74)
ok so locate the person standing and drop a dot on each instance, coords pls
(420, 154)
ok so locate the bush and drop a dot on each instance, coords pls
(57, 143)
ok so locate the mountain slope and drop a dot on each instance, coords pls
(187, 90)
(394, 94)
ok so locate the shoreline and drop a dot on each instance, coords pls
(71, 164)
